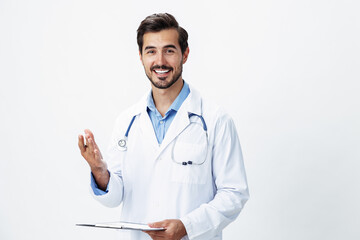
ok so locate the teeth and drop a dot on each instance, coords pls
(162, 71)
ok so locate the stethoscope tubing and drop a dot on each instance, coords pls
(123, 142)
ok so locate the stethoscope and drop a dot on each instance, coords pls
(122, 143)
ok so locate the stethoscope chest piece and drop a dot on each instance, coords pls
(122, 144)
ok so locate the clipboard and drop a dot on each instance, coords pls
(121, 225)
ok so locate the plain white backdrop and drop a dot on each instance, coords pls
(287, 71)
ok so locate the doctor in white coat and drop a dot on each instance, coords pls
(175, 159)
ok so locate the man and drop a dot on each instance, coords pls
(174, 160)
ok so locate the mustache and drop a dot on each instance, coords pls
(163, 67)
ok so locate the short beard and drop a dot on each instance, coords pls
(173, 80)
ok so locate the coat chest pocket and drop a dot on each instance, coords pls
(190, 163)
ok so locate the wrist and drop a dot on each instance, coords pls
(101, 179)
(99, 168)
(182, 229)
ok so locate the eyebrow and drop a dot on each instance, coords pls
(149, 47)
(170, 46)
(166, 46)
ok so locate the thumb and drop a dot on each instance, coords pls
(157, 224)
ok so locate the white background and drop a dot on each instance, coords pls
(287, 71)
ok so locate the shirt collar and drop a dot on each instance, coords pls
(177, 102)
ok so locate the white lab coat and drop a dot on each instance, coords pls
(153, 187)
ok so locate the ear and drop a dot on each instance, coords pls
(186, 54)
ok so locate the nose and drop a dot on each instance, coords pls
(160, 59)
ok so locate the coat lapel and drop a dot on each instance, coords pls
(146, 128)
(180, 122)
(192, 104)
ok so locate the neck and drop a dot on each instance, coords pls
(163, 98)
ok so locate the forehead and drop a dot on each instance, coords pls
(162, 38)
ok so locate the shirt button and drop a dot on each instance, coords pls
(161, 122)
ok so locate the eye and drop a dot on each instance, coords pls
(169, 50)
(150, 52)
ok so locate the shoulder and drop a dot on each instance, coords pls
(219, 120)
(214, 115)
(220, 125)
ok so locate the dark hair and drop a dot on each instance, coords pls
(161, 21)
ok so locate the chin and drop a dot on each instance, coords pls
(163, 83)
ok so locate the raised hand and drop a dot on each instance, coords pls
(91, 152)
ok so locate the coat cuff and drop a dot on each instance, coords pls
(114, 194)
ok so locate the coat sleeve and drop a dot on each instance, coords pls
(208, 220)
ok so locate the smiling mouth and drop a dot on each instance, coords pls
(161, 71)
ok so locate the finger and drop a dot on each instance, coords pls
(88, 132)
(81, 143)
(157, 224)
(90, 143)
(91, 135)
(87, 136)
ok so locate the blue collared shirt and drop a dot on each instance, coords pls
(160, 124)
